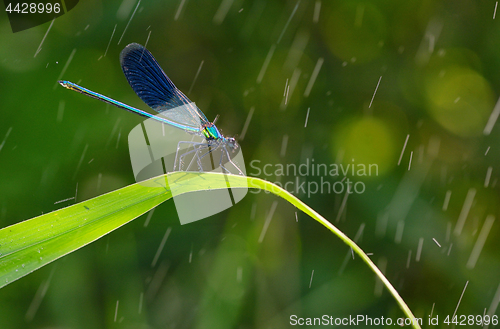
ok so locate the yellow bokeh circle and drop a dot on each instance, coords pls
(366, 141)
(355, 32)
(460, 100)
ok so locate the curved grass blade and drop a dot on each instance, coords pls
(29, 245)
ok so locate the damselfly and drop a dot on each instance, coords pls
(153, 86)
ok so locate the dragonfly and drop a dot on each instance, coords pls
(154, 88)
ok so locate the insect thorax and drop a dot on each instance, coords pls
(211, 132)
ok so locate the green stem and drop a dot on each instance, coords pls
(262, 184)
(34, 243)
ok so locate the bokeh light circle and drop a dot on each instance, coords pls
(367, 141)
(355, 31)
(460, 100)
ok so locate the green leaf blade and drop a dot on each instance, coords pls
(31, 244)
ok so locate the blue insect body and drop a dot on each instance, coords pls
(153, 86)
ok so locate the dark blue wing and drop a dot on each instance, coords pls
(153, 86)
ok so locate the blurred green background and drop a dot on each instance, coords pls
(435, 67)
